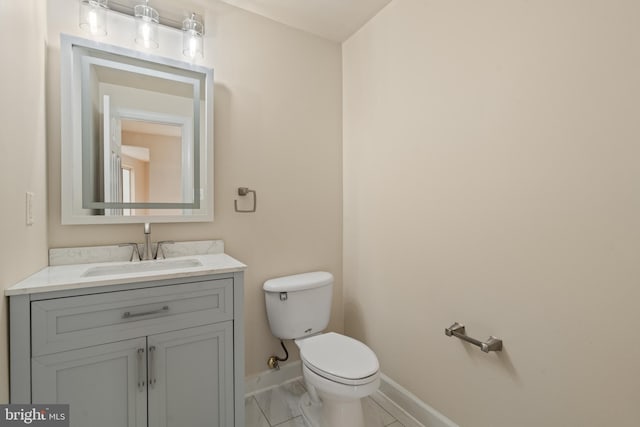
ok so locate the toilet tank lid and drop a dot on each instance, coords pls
(299, 282)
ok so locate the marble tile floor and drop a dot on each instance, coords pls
(279, 407)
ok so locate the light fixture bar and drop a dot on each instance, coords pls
(127, 9)
(93, 19)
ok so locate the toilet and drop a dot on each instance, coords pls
(338, 371)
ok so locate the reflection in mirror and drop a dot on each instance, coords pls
(143, 139)
(151, 166)
(157, 111)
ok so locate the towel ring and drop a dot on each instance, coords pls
(243, 191)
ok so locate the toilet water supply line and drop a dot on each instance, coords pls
(274, 361)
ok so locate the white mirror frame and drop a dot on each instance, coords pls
(71, 140)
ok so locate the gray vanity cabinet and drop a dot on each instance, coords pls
(163, 354)
(99, 383)
(189, 382)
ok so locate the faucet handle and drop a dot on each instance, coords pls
(135, 249)
(160, 248)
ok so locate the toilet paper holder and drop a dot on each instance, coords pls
(458, 330)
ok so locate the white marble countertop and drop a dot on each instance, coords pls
(73, 276)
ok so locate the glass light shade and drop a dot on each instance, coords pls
(93, 16)
(192, 41)
(147, 19)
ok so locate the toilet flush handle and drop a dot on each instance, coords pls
(284, 296)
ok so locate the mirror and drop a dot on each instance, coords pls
(137, 136)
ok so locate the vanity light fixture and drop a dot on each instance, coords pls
(192, 41)
(147, 19)
(93, 19)
(93, 16)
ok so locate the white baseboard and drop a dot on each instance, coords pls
(406, 407)
(395, 399)
(272, 378)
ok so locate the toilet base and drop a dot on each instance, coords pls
(337, 413)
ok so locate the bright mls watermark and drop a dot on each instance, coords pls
(34, 415)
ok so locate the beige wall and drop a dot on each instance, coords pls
(140, 172)
(278, 122)
(491, 177)
(164, 166)
(22, 153)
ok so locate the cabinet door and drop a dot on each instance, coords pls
(191, 377)
(105, 385)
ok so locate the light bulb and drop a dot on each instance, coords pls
(147, 20)
(93, 22)
(193, 47)
(146, 34)
(93, 16)
(192, 37)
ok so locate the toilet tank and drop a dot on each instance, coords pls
(299, 305)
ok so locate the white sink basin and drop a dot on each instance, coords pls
(142, 267)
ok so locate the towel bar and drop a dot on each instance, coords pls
(458, 330)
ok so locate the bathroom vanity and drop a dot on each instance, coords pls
(127, 344)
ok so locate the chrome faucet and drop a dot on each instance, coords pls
(148, 252)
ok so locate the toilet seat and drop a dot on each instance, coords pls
(339, 358)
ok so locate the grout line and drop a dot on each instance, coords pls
(253, 396)
(261, 411)
(262, 390)
(384, 410)
(290, 419)
(396, 408)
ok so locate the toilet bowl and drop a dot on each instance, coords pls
(338, 371)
